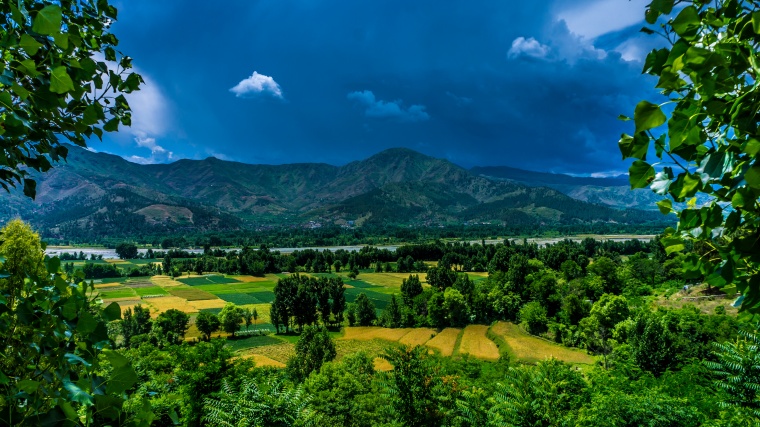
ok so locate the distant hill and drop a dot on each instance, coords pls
(613, 191)
(103, 194)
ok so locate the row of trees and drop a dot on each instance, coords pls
(302, 300)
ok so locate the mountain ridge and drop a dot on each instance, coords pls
(105, 192)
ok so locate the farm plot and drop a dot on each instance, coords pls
(237, 288)
(206, 304)
(161, 304)
(417, 336)
(248, 298)
(165, 281)
(191, 294)
(476, 343)
(445, 341)
(139, 284)
(532, 349)
(149, 291)
(369, 333)
(207, 280)
(263, 361)
(380, 300)
(114, 293)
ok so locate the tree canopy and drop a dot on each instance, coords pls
(704, 137)
(61, 77)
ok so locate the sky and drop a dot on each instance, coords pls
(535, 85)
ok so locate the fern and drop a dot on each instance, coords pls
(738, 370)
(277, 405)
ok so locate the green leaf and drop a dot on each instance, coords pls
(74, 359)
(53, 265)
(634, 146)
(87, 323)
(662, 6)
(48, 20)
(5, 100)
(122, 375)
(76, 394)
(29, 44)
(28, 386)
(30, 188)
(752, 147)
(60, 82)
(112, 312)
(640, 174)
(687, 22)
(623, 118)
(61, 40)
(648, 116)
(688, 186)
(111, 125)
(752, 176)
(672, 244)
(665, 206)
(756, 22)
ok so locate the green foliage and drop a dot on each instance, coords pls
(365, 310)
(709, 143)
(410, 288)
(616, 408)
(533, 317)
(536, 396)
(126, 250)
(135, 323)
(171, 326)
(54, 85)
(207, 323)
(418, 396)
(230, 318)
(57, 365)
(313, 349)
(273, 403)
(738, 370)
(345, 394)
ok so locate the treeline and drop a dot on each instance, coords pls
(294, 236)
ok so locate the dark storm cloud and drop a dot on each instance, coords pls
(477, 82)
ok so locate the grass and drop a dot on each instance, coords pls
(241, 298)
(476, 343)
(117, 293)
(236, 288)
(207, 280)
(191, 294)
(380, 300)
(417, 336)
(252, 342)
(527, 348)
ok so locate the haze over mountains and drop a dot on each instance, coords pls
(398, 186)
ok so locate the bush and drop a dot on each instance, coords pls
(533, 317)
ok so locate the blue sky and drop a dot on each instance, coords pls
(536, 85)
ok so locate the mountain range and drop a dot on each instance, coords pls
(104, 193)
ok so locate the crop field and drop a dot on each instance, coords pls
(205, 304)
(208, 280)
(476, 343)
(150, 290)
(368, 333)
(191, 294)
(417, 336)
(445, 342)
(528, 348)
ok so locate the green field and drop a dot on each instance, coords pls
(207, 280)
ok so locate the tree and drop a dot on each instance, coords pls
(255, 315)
(230, 318)
(55, 85)
(172, 325)
(738, 370)
(207, 323)
(54, 342)
(365, 310)
(598, 326)
(391, 317)
(709, 143)
(135, 323)
(410, 288)
(533, 316)
(436, 311)
(247, 317)
(314, 348)
(414, 388)
(456, 307)
(126, 250)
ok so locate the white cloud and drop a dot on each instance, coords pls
(595, 18)
(388, 109)
(256, 84)
(528, 47)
